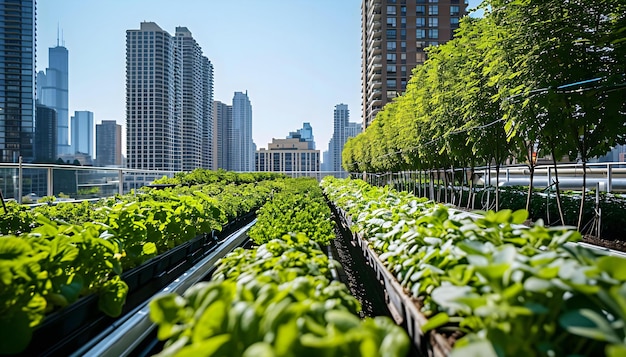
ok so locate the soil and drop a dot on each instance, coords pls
(619, 245)
(357, 275)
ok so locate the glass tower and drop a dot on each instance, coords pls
(17, 80)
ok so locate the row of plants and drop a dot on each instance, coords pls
(56, 254)
(300, 207)
(542, 204)
(528, 79)
(276, 299)
(511, 290)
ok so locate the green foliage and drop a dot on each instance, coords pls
(298, 207)
(255, 307)
(511, 289)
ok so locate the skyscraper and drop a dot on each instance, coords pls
(17, 88)
(241, 146)
(342, 130)
(45, 135)
(109, 143)
(394, 36)
(52, 91)
(223, 115)
(82, 132)
(192, 90)
(306, 133)
(169, 86)
(208, 144)
(153, 99)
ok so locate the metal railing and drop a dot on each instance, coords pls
(29, 182)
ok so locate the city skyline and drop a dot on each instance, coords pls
(303, 64)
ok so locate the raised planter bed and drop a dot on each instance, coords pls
(63, 331)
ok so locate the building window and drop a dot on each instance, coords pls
(391, 68)
(392, 94)
(420, 33)
(403, 34)
(391, 57)
(433, 1)
(403, 10)
(420, 22)
(433, 33)
(391, 10)
(433, 9)
(403, 22)
(391, 34)
(454, 21)
(391, 83)
(455, 10)
(420, 10)
(391, 46)
(391, 22)
(433, 22)
(403, 46)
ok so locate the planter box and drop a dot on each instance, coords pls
(404, 309)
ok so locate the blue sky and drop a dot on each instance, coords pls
(296, 58)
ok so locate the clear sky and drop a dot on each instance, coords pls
(296, 58)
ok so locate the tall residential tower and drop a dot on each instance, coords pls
(394, 36)
(109, 144)
(17, 88)
(153, 99)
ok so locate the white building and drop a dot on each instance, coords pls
(342, 130)
(153, 99)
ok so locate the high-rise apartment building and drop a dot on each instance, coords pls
(17, 88)
(153, 99)
(82, 132)
(52, 91)
(197, 93)
(109, 143)
(241, 149)
(45, 135)
(169, 95)
(394, 36)
(342, 130)
(208, 144)
(223, 115)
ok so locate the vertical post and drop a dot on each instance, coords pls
(120, 179)
(597, 212)
(609, 177)
(50, 179)
(19, 181)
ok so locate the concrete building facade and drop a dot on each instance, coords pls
(394, 35)
(241, 146)
(109, 144)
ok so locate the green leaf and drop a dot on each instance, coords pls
(436, 321)
(590, 324)
(613, 265)
(149, 249)
(15, 331)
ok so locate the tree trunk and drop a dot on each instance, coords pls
(558, 189)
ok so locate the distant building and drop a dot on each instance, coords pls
(223, 115)
(325, 165)
(82, 132)
(288, 155)
(305, 133)
(342, 130)
(241, 148)
(109, 144)
(169, 95)
(394, 36)
(52, 91)
(45, 135)
(196, 116)
(17, 70)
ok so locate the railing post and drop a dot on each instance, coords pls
(50, 179)
(19, 181)
(609, 178)
(120, 178)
